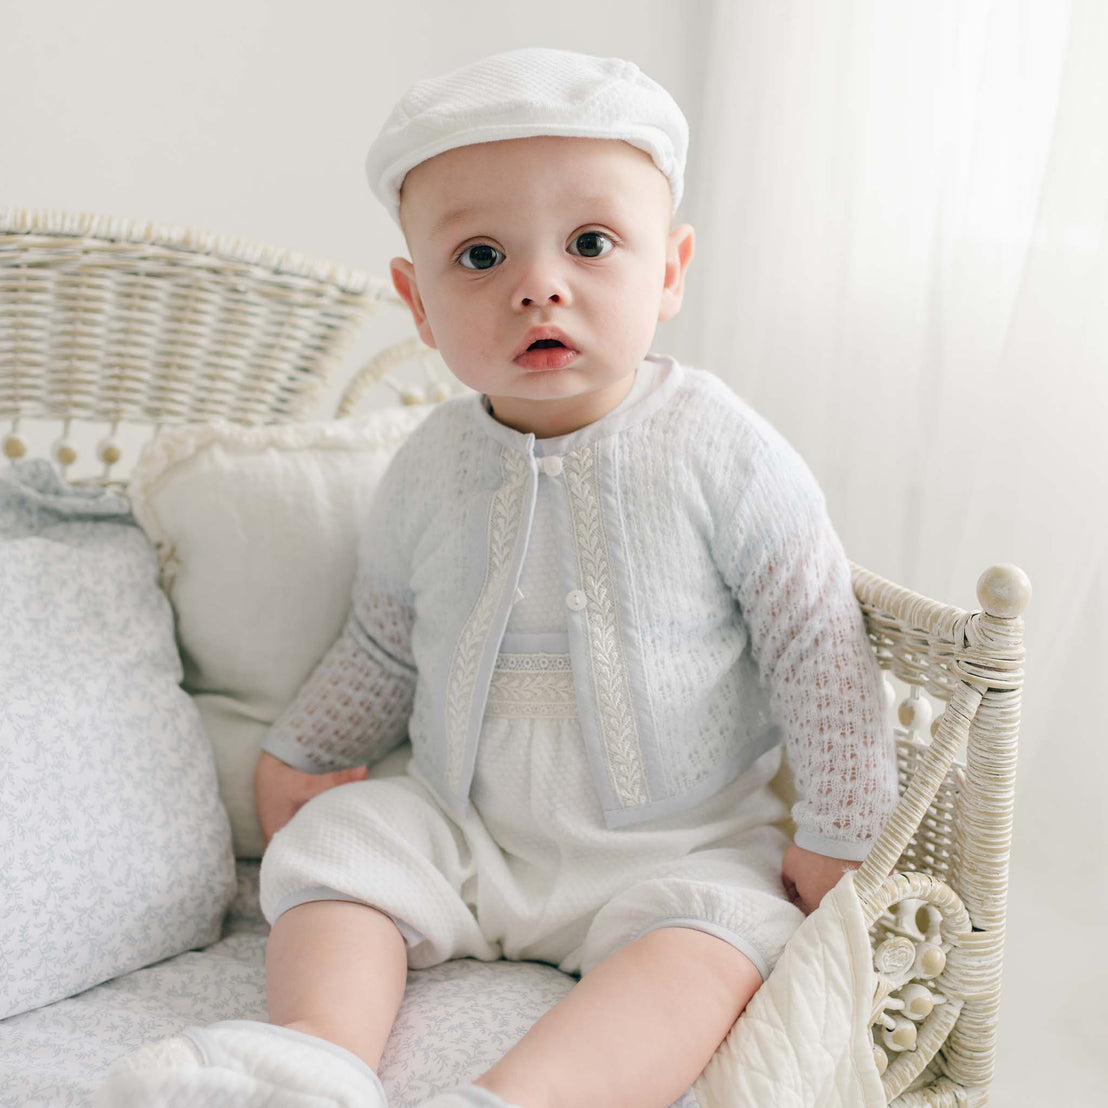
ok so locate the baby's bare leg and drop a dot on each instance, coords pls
(636, 1031)
(337, 969)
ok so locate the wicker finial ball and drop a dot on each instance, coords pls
(1003, 590)
(14, 446)
(64, 452)
(109, 451)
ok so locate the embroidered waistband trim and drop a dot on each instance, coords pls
(533, 684)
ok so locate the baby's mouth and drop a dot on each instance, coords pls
(546, 354)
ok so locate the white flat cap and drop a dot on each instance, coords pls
(519, 93)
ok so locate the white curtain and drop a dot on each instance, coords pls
(901, 262)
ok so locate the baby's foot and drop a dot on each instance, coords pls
(245, 1063)
(467, 1096)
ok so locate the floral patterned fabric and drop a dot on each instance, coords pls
(456, 1020)
(115, 850)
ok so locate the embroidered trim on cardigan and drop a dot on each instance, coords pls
(505, 514)
(616, 716)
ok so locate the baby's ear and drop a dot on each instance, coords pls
(404, 281)
(679, 251)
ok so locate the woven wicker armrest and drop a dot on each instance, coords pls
(934, 886)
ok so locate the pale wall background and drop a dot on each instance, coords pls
(894, 205)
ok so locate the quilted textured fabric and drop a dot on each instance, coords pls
(803, 1041)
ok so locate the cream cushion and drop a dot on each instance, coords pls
(255, 529)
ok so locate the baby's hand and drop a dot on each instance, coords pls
(280, 790)
(808, 876)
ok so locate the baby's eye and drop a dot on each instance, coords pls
(483, 255)
(590, 238)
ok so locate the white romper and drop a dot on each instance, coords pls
(533, 873)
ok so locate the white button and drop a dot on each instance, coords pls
(576, 600)
(551, 465)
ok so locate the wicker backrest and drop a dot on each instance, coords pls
(115, 321)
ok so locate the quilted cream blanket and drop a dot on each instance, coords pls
(803, 1040)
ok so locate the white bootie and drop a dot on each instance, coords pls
(467, 1096)
(245, 1063)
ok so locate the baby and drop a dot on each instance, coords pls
(601, 596)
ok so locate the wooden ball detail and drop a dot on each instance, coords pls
(64, 452)
(930, 960)
(108, 451)
(918, 1001)
(902, 1036)
(1004, 590)
(14, 446)
(914, 713)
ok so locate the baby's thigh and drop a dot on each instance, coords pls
(379, 841)
(734, 892)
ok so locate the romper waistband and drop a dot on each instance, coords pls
(535, 683)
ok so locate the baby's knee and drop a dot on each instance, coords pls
(726, 976)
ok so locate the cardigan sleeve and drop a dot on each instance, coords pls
(355, 705)
(787, 568)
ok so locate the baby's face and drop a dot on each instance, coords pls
(571, 232)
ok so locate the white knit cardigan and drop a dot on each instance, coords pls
(710, 612)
